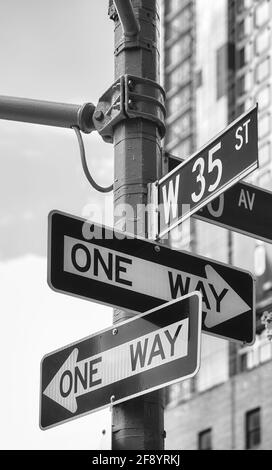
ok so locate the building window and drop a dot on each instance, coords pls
(179, 392)
(261, 351)
(253, 428)
(179, 24)
(263, 70)
(199, 79)
(262, 42)
(221, 72)
(178, 101)
(179, 76)
(263, 98)
(241, 85)
(243, 362)
(214, 351)
(178, 51)
(262, 14)
(172, 6)
(244, 83)
(264, 179)
(242, 5)
(241, 58)
(179, 128)
(240, 109)
(173, 394)
(264, 154)
(244, 28)
(205, 440)
(184, 148)
(264, 125)
(241, 30)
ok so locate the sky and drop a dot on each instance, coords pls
(58, 50)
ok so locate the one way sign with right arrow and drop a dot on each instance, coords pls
(97, 263)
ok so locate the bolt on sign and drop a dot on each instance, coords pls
(152, 350)
(101, 264)
(221, 163)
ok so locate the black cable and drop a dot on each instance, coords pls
(85, 166)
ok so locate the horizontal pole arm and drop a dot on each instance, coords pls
(47, 113)
(127, 17)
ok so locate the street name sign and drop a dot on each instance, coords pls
(229, 157)
(243, 208)
(143, 354)
(101, 264)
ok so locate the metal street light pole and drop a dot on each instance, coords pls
(47, 113)
(137, 423)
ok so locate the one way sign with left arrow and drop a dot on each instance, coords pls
(150, 351)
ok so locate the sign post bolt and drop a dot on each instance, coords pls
(98, 115)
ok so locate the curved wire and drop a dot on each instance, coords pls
(88, 175)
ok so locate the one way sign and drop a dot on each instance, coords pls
(155, 349)
(97, 263)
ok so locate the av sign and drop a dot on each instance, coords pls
(156, 349)
(243, 208)
(93, 262)
(229, 157)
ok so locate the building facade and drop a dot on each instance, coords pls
(217, 64)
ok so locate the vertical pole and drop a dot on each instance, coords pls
(137, 423)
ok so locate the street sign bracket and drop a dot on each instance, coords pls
(145, 98)
(110, 110)
(153, 214)
(130, 97)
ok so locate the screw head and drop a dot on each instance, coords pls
(131, 104)
(112, 398)
(99, 115)
(157, 248)
(115, 331)
(130, 84)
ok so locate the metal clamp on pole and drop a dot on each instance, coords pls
(110, 110)
(130, 97)
(48, 113)
(131, 36)
(145, 98)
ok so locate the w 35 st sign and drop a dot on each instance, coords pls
(228, 158)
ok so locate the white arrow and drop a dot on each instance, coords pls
(53, 389)
(230, 306)
(75, 378)
(220, 301)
